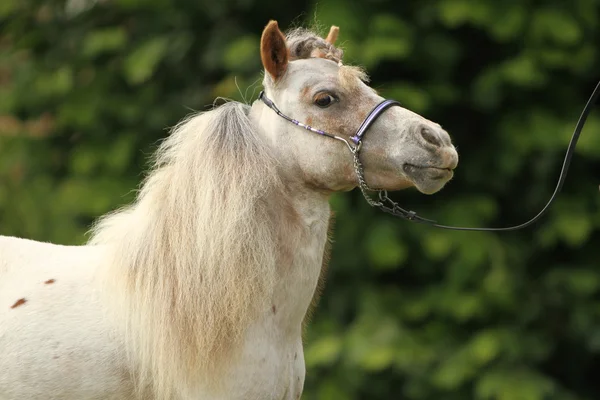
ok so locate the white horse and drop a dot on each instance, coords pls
(199, 289)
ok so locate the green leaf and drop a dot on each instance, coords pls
(550, 23)
(104, 41)
(143, 61)
(119, 155)
(454, 13)
(331, 389)
(454, 371)
(414, 97)
(378, 49)
(324, 351)
(7, 7)
(580, 282)
(514, 384)
(378, 358)
(438, 245)
(512, 22)
(385, 248)
(523, 71)
(242, 53)
(55, 83)
(485, 347)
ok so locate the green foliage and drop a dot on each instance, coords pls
(88, 88)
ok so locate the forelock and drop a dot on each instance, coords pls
(303, 43)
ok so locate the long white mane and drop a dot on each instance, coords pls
(192, 261)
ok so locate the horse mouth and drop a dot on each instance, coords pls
(428, 179)
(428, 172)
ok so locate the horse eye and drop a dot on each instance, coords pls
(324, 100)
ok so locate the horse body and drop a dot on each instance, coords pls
(200, 288)
(61, 343)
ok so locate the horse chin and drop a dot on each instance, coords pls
(427, 180)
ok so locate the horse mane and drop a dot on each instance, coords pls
(192, 262)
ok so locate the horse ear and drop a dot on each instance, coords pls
(273, 50)
(333, 35)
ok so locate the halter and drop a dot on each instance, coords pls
(356, 140)
(387, 205)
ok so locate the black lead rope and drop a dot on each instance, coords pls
(412, 216)
(387, 205)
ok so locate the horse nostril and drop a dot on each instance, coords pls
(431, 136)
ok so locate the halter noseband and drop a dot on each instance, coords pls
(389, 206)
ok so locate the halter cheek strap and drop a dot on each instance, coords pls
(269, 103)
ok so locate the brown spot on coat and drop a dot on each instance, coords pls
(305, 90)
(19, 303)
(50, 281)
(274, 309)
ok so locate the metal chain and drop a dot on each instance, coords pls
(362, 184)
(397, 211)
(385, 204)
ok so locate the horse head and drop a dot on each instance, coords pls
(307, 84)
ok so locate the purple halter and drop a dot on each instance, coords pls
(354, 149)
(373, 115)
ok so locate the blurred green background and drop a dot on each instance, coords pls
(88, 88)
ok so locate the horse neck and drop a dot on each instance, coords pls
(304, 215)
(300, 257)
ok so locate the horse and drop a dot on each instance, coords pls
(200, 288)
